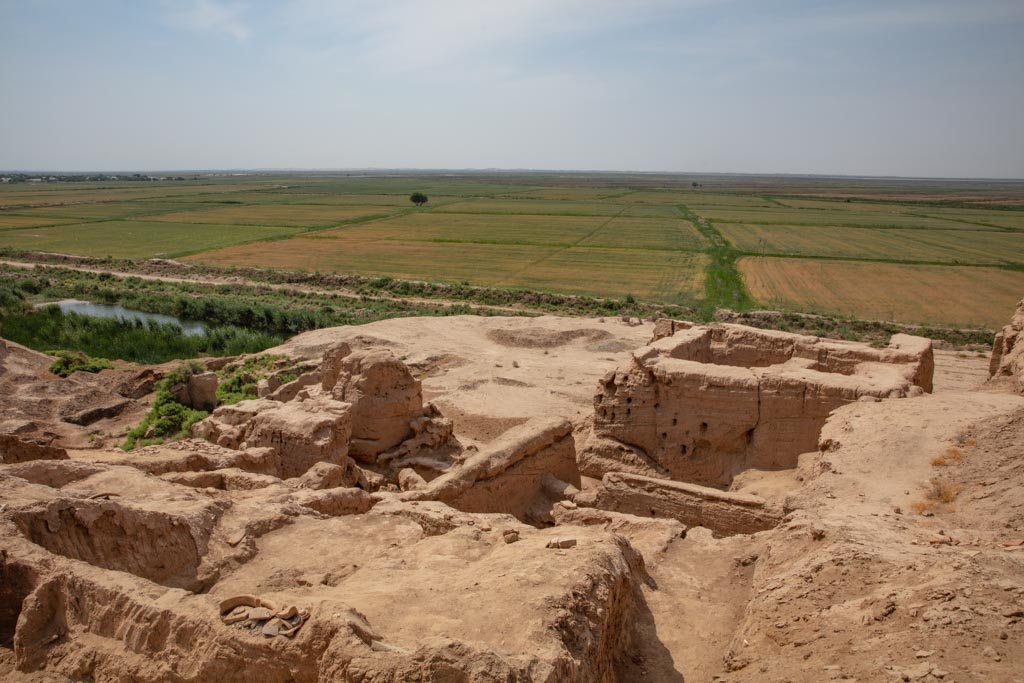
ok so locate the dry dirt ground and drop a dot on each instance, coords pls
(900, 556)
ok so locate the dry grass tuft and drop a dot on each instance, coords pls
(950, 456)
(942, 491)
(939, 492)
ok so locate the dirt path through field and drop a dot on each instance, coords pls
(340, 291)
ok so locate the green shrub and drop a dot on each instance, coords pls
(166, 419)
(239, 383)
(73, 361)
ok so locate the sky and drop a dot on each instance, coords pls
(926, 88)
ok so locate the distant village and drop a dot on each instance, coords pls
(83, 177)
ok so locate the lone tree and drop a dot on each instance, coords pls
(418, 198)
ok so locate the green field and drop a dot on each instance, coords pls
(655, 237)
(947, 246)
(134, 239)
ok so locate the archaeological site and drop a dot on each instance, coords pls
(521, 499)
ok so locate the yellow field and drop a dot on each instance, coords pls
(484, 264)
(652, 275)
(948, 246)
(647, 233)
(8, 221)
(536, 207)
(943, 295)
(566, 193)
(302, 215)
(614, 272)
(428, 227)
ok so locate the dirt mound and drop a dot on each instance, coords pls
(540, 338)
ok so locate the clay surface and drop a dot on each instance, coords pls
(443, 500)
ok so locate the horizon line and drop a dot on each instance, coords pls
(401, 169)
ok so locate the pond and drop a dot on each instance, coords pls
(191, 329)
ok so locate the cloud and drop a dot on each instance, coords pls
(401, 36)
(208, 16)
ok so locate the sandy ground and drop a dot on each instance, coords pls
(490, 374)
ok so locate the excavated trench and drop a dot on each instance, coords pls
(152, 545)
(17, 581)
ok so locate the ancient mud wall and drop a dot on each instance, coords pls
(708, 402)
(1007, 361)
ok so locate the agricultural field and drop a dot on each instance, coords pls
(484, 229)
(947, 246)
(817, 241)
(969, 296)
(9, 222)
(852, 219)
(292, 215)
(134, 239)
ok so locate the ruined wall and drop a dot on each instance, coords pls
(707, 403)
(509, 475)
(1007, 361)
(722, 512)
(300, 433)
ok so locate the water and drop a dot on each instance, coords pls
(191, 329)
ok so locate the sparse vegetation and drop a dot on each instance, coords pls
(238, 382)
(938, 493)
(75, 361)
(167, 418)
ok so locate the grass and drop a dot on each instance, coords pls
(484, 229)
(723, 284)
(516, 207)
(297, 215)
(109, 210)
(928, 246)
(52, 330)
(135, 239)
(15, 221)
(833, 217)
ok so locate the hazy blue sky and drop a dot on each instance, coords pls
(898, 87)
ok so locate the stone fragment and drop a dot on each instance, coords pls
(260, 613)
(561, 543)
(231, 603)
